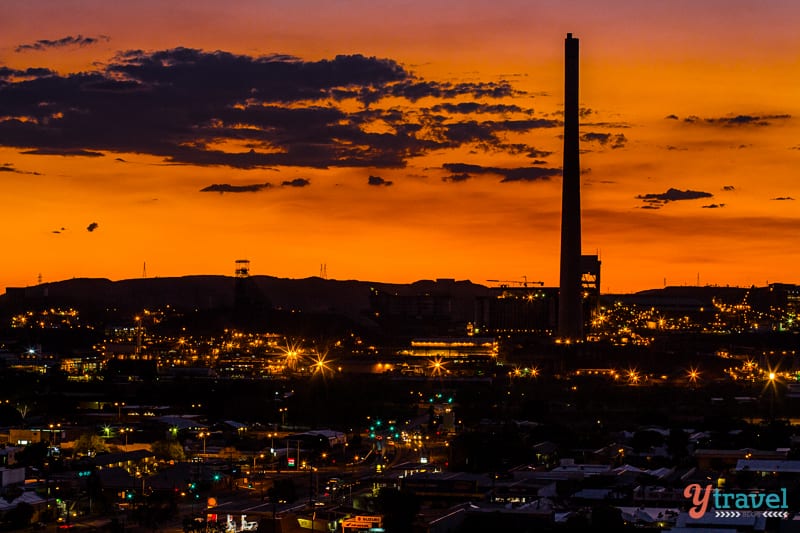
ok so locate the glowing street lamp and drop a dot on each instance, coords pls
(204, 435)
(437, 366)
(693, 375)
(259, 456)
(126, 431)
(321, 365)
(119, 406)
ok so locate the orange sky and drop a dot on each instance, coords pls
(691, 143)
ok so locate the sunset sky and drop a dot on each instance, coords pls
(396, 141)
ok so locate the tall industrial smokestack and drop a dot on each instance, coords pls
(570, 316)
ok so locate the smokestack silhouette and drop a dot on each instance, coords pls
(570, 316)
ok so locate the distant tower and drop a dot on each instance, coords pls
(570, 317)
(242, 268)
(249, 302)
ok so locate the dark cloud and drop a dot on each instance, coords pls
(486, 132)
(76, 152)
(728, 188)
(379, 182)
(735, 120)
(611, 140)
(8, 167)
(713, 206)
(7, 73)
(475, 107)
(456, 178)
(616, 125)
(226, 187)
(747, 120)
(181, 104)
(783, 198)
(672, 117)
(533, 153)
(678, 148)
(91, 227)
(463, 171)
(514, 149)
(69, 40)
(672, 195)
(297, 182)
(414, 90)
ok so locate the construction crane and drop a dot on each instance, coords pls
(524, 282)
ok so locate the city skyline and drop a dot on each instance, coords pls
(397, 143)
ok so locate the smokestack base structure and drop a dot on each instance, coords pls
(570, 315)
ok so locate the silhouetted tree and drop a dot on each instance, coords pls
(168, 449)
(89, 442)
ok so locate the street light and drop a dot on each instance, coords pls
(261, 456)
(204, 435)
(54, 428)
(772, 377)
(119, 406)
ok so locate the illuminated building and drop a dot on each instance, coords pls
(518, 311)
(463, 348)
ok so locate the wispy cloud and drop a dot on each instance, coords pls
(69, 40)
(734, 120)
(464, 171)
(227, 187)
(9, 167)
(66, 152)
(611, 140)
(656, 200)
